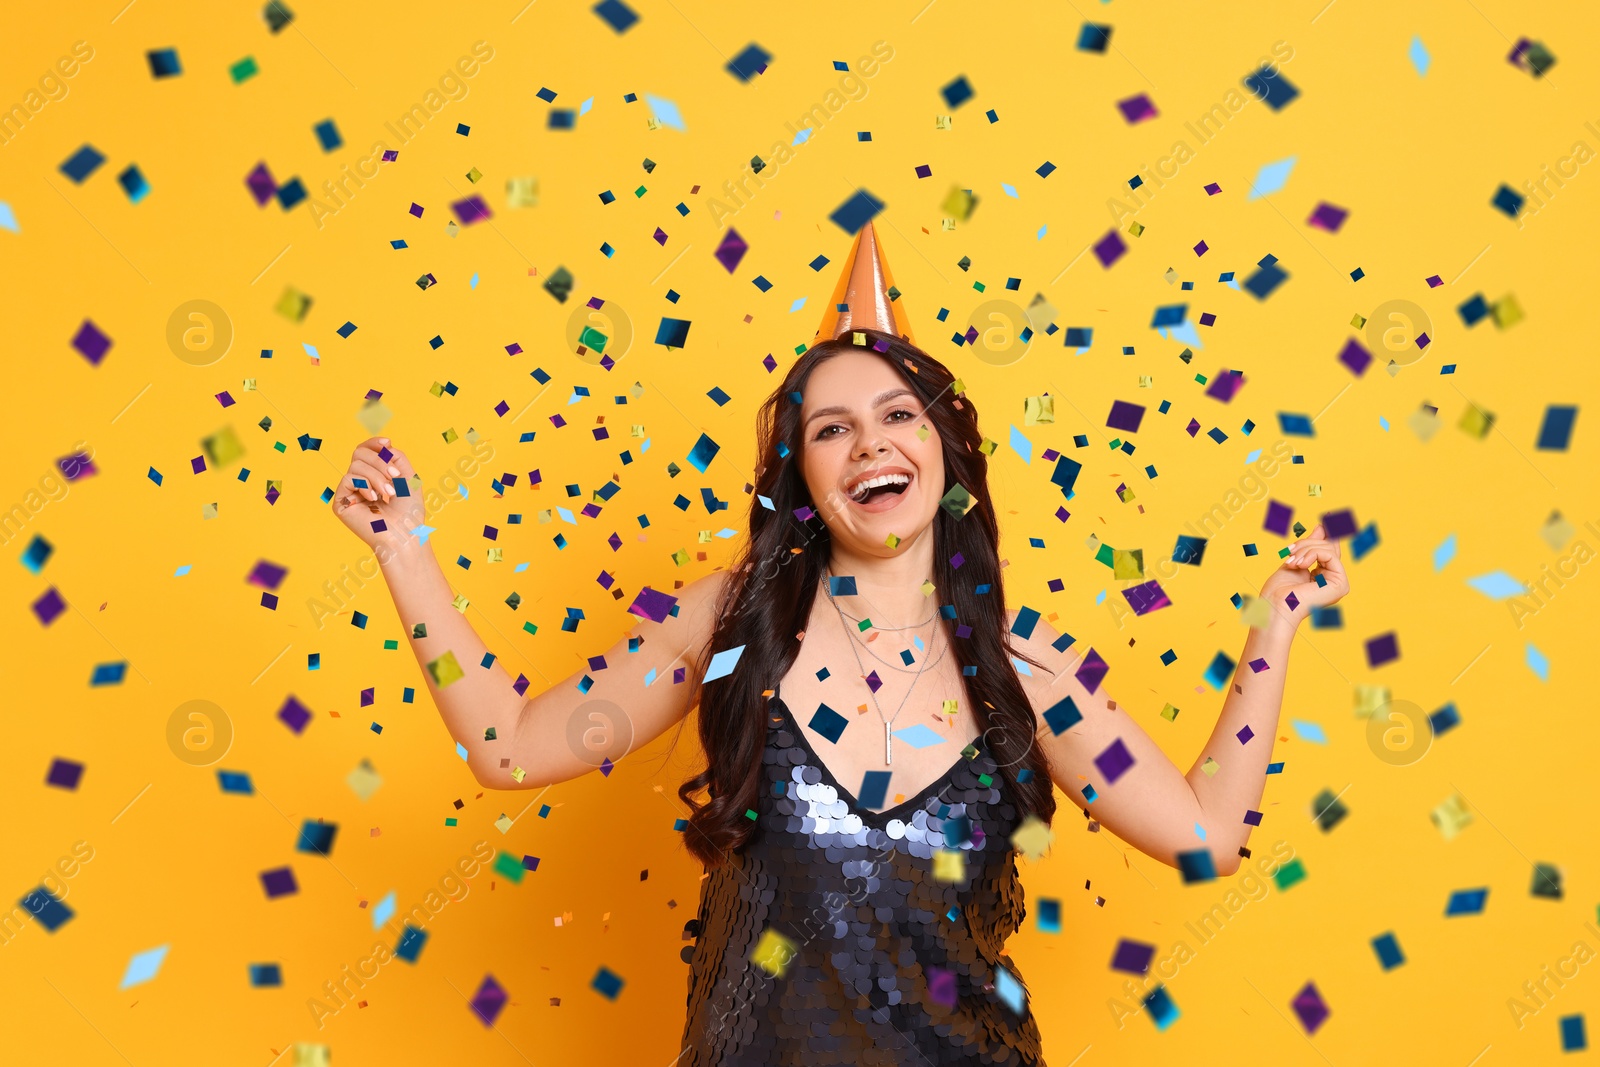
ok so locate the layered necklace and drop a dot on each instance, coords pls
(925, 662)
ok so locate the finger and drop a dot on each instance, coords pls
(1324, 554)
(1300, 551)
(1320, 533)
(398, 459)
(376, 461)
(378, 484)
(379, 480)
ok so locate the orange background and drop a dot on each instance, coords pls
(176, 862)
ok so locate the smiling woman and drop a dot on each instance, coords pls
(852, 416)
(861, 885)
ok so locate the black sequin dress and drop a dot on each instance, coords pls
(884, 963)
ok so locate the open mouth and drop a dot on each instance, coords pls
(880, 492)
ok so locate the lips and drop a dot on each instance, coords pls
(884, 488)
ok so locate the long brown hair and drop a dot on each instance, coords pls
(773, 583)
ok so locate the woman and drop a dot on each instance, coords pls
(877, 724)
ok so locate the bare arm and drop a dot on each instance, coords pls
(551, 732)
(1154, 805)
(557, 732)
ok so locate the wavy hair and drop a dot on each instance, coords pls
(773, 582)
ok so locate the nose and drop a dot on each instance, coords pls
(871, 444)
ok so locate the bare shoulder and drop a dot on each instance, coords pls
(705, 593)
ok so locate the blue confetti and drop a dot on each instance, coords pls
(1021, 445)
(666, 112)
(1309, 731)
(723, 663)
(1538, 664)
(1420, 57)
(1497, 585)
(1444, 553)
(1271, 178)
(919, 736)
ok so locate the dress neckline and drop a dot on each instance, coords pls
(878, 819)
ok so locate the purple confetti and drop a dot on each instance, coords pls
(64, 774)
(294, 715)
(1310, 1007)
(731, 250)
(1125, 416)
(1226, 385)
(1327, 217)
(49, 606)
(268, 575)
(1092, 670)
(1114, 761)
(1109, 248)
(1132, 956)
(472, 209)
(1383, 649)
(279, 882)
(1278, 516)
(1339, 524)
(1356, 357)
(1146, 598)
(1137, 108)
(489, 1000)
(91, 343)
(263, 186)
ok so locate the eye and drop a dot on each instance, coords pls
(901, 411)
(824, 431)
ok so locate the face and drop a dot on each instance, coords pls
(859, 423)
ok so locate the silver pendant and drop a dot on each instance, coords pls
(888, 745)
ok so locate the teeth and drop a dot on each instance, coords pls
(872, 483)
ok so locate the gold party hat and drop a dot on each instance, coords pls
(864, 287)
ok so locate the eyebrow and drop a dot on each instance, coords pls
(883, 397)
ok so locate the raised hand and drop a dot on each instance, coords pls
(1297, 578)
(368, 499)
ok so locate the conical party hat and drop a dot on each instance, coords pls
(865, 287)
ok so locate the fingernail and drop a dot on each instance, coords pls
(387, 488)
(394, 470)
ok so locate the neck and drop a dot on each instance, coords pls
(887, 584)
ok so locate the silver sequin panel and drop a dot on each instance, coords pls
(854, 894)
